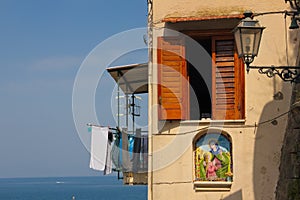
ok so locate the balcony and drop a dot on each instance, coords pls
(130, 147)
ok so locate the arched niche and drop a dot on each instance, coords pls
(212, 150)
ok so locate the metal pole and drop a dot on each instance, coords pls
(133, 112)
(118, 96)
(126, 98)
(118, 102)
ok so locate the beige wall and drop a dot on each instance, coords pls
(256, 149)
(184, 8)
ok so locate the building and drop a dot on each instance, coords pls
(130, 148)
(216, 131)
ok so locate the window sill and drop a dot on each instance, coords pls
(212, 186)
(208, 121)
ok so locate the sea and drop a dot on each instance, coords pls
(70, 188)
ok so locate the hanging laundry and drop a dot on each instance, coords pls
(130, 146)
(144, 151)
(99, 140)
(108, 163)
(116, 156)
(126, 163)
(137, 150)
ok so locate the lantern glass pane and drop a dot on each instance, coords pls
(237, 37)
(257, 42)
(248, 37)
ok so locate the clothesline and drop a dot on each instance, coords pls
(115, 129)
(107, 151)
(111, 128)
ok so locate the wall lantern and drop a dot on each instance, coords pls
(247, 35)
(295, 5)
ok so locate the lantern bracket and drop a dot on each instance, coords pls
(247, 37)
(286, 73)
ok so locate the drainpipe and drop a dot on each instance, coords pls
(150, 100)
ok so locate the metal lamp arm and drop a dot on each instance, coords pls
(286, 73)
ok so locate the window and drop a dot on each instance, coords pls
(226, 82)
(213, 161)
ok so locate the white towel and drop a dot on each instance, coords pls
(98, 147)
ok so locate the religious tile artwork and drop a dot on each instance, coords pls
(213, 158)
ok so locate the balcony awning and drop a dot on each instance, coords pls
(131, 78)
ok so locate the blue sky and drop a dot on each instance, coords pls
(42, 45)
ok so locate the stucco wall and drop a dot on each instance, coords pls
(189, 8)
(256, 141)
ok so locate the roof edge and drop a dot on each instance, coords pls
(203, 18)
(129, 66)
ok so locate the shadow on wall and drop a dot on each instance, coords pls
(268, 144)
(270, 136)
(236, 196)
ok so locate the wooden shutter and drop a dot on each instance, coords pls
(172, 79)
(227, 81)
